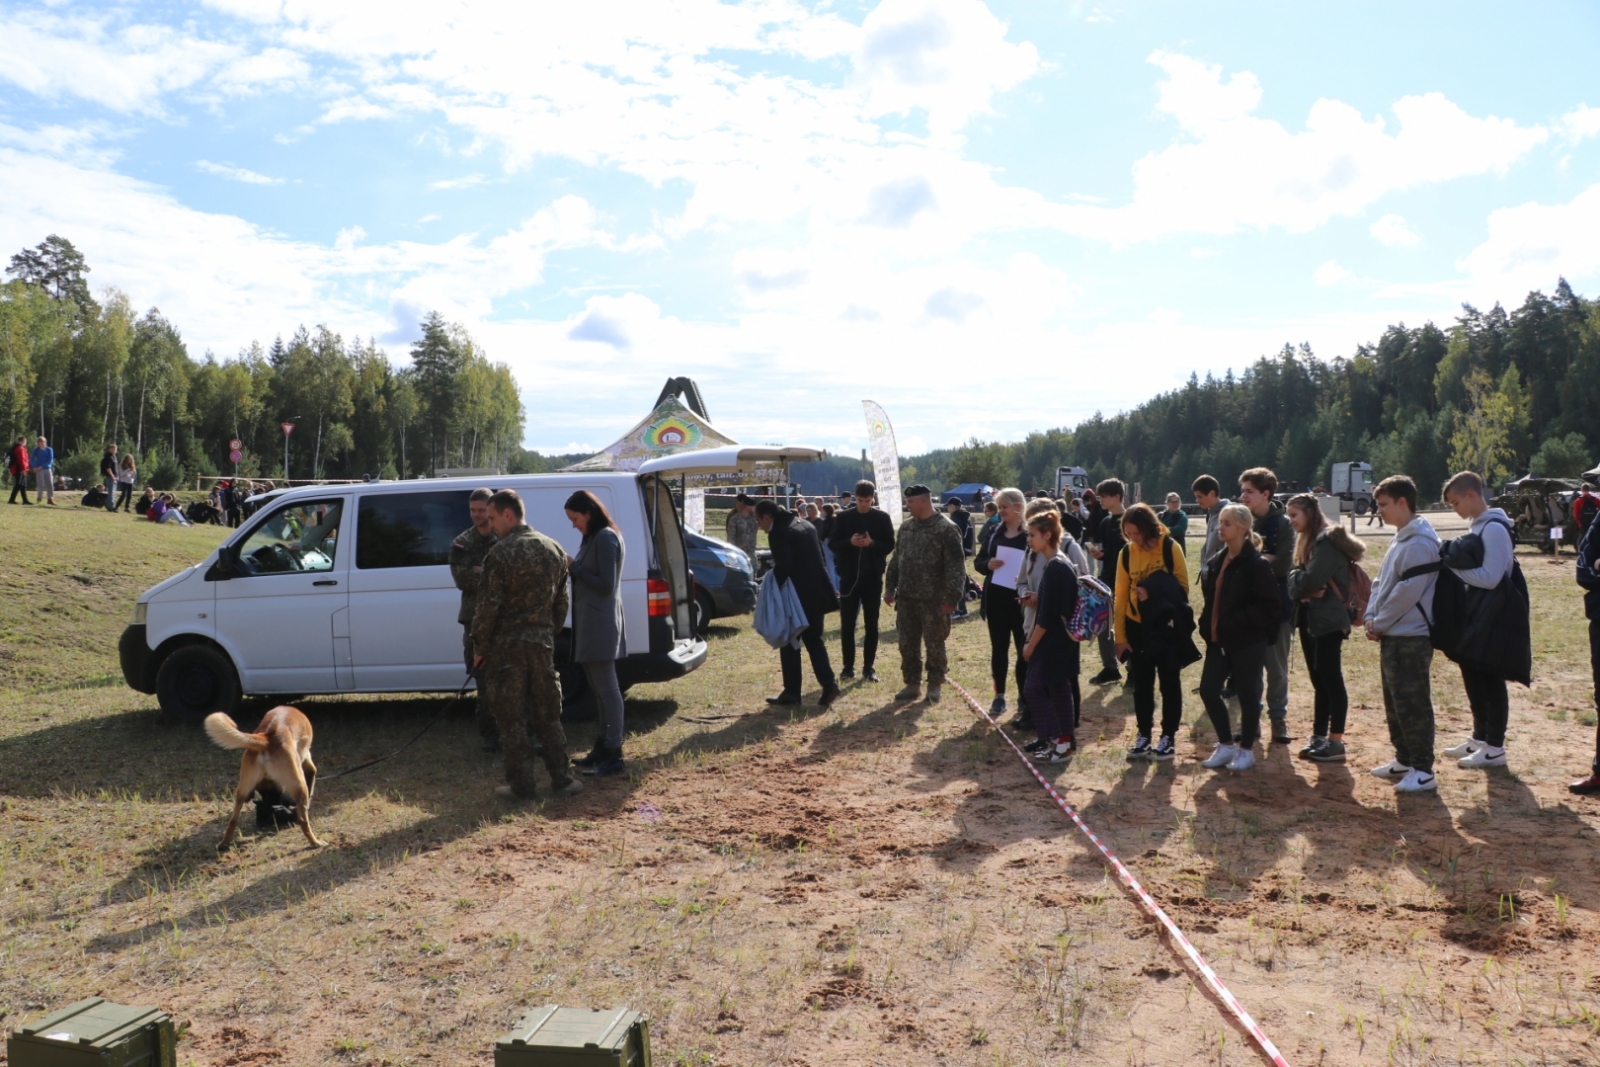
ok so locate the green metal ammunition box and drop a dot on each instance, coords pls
(576, 1037)
(96, 1033)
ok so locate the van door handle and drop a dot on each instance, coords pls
(326, 581)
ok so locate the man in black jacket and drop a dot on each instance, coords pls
(797, 559)
(1588, 573)
(1106, 531)
(862, 539)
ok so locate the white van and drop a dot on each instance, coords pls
(347, 588)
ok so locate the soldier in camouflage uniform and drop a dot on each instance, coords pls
(522, 605)
(741, 526)
(926, 578)
(466, 567)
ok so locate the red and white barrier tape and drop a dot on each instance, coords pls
(1212, 981)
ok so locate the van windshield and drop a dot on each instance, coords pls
(303, 536)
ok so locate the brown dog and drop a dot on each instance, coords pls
(278, 752)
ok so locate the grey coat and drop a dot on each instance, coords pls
(596, 571)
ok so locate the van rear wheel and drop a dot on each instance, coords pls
(195, 681)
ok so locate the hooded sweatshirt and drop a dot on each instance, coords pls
(1493, 528)
(1393, 610)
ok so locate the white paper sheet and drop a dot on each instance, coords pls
(1010, 566)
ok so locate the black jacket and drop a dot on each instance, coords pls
(863, 564)
(1251, 605)
(797, 559)
(1109, 534)
(1495, 634)
(1588, 571)
(1164, 631)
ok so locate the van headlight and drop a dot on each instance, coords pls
(141, 613)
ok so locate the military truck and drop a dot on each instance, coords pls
(1540, 507)
(1352, 484)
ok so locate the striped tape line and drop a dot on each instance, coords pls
(1212, 981)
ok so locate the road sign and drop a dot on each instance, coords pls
(235, 444)
(288, 428)
(235, 456)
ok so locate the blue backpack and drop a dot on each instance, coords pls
(1093, 613)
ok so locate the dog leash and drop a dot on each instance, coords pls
(1207, 974)
(461, 694)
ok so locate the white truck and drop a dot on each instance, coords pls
(1352, 484)
(1072, 480)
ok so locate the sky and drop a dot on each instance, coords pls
(989, 218)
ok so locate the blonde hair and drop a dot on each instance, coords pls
(1316, 522)
(1009, 496)
(1240, 516)
(1039, 506)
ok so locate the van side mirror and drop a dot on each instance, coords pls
(223, 568)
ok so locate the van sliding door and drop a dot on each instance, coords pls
(669, 564)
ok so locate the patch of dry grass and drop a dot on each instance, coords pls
(868, 883)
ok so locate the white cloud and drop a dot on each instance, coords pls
(272, 68)
(1530, 245)
(1234, 170)
(1330, 273)
(1580, 123)
(238, 174)
(1395, 232)
(465, 182)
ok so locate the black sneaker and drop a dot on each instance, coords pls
(608, 767)
(1329, 752)
(1280, 732)
(1109, 676)
(848, 674)
(1141, 749)
(597, 754)
(1164, 749)
(1310, 751)
(829, 695)
(784, 699)
(869, 675)
(1033, 747)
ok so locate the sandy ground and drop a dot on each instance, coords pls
(870, 884)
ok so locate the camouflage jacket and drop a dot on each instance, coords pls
(522, 596)
(466, 567)
(928, 562)
(741, 530)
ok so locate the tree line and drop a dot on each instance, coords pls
(1501, 393)
(88, 372)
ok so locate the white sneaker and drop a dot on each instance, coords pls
(1464, 749)
(1483, 757)
(1392, 771)
(1244, 761)
(1417, 782)
(1221, 757)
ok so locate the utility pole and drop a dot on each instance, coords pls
(288, 428)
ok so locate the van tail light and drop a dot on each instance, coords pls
(660, 597)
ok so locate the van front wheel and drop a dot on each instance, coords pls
(195, 681)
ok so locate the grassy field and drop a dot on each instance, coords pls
(863, 884)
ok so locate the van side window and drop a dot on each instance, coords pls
(303, 536)
(409, 529)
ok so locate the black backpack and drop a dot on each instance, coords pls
(1485, 629)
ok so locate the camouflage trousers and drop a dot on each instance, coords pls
(523, 691)
(919, 623)
(1404, 663)
(486, 726)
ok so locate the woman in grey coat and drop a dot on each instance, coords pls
(597, 636)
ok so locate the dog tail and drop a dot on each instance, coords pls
(221, 729)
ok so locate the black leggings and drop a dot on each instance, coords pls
(1491, 706)
(1324, 663)
(1594, 667)
(1005, 630)
(1244, 665)
(124, 496)
(1144, 672)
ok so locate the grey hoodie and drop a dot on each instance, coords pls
(1393, 609)
(1498, 552)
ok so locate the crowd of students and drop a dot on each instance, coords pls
(1271, 574)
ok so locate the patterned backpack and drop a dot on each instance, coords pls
(1093, 612)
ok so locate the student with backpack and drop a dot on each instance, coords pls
(1330, 591)
(1239, 621)
(1397, 618)
(1028, 584)
(1486, 565)
(1152, 594)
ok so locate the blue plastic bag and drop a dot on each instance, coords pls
(780, 617)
